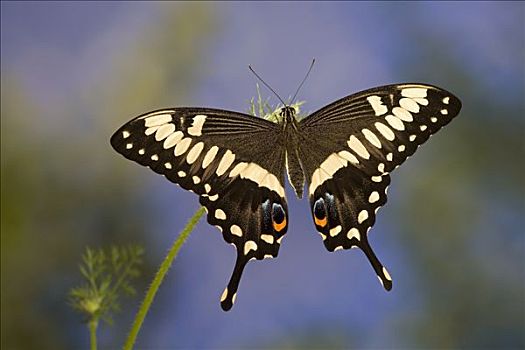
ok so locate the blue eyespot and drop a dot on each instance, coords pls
(319, 209)
(278, 213)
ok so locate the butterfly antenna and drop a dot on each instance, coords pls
(268, 86)
(301, 85)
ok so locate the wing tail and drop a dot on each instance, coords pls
(380, 270)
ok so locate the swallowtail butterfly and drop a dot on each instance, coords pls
(344, 153)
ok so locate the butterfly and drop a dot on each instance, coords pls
(343, 154)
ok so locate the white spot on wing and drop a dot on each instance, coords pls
(414, 92)
(257, 174)
(196, 127)
(377, 105)
(238, 169)
(129, 146)
(433, 119)
(423, 127)
(142, 151)
(335, 231)
(409, 104)
(236, 230)
(157, 120)
(181, 173)
(381, 281)
(402, 114)
(249, 245)
(125, 134)
(349, 157)
(227, 159)
(387, 275)
(395, 122)
(412, 138)
(401, 148)
(446, 100)
(363, 215)
(389, 157)
(374, 197)
(220, 214)
(358, 147)
(267, 238)
(385, 131)
(164, 131)
(194, 153)
(421, 101)
(224, 294)
(353, 233)
(317, 179)
(326, 170)
(182, 146)
(210, 156)
(154, 157)
(444, 112)
(196, 179)
(207, 188)
(167, 165)
(173, 139)
(372, 138)
(214, 197)
(151, 130)
(377, 178)
(333, 163)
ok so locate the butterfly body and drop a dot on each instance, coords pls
(343, 153)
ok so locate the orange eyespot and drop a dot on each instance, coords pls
(279, 226)
(319, 211)
(320, 222)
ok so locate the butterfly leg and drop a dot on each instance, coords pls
(381, 271)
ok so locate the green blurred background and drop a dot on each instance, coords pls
(452, 234)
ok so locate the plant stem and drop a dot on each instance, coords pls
(159, 276)
(93, 324)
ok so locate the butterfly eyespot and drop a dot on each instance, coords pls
(320, 213)
(278, 217)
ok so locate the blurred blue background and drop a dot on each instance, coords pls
(452, 235)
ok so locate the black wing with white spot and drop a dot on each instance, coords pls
(349, 147)
(233, 161)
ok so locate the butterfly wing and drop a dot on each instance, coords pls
(233, 161)
(348, 149)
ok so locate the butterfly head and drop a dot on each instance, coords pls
(287, 114)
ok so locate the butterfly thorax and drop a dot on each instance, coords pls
(292, 139)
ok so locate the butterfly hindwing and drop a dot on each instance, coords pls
(254, 220)
(233, 161)
(349, 148)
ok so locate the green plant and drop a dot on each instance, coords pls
(107, 275)
(262, 108)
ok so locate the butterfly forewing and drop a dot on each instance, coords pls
(349, 148)
(233, 161)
